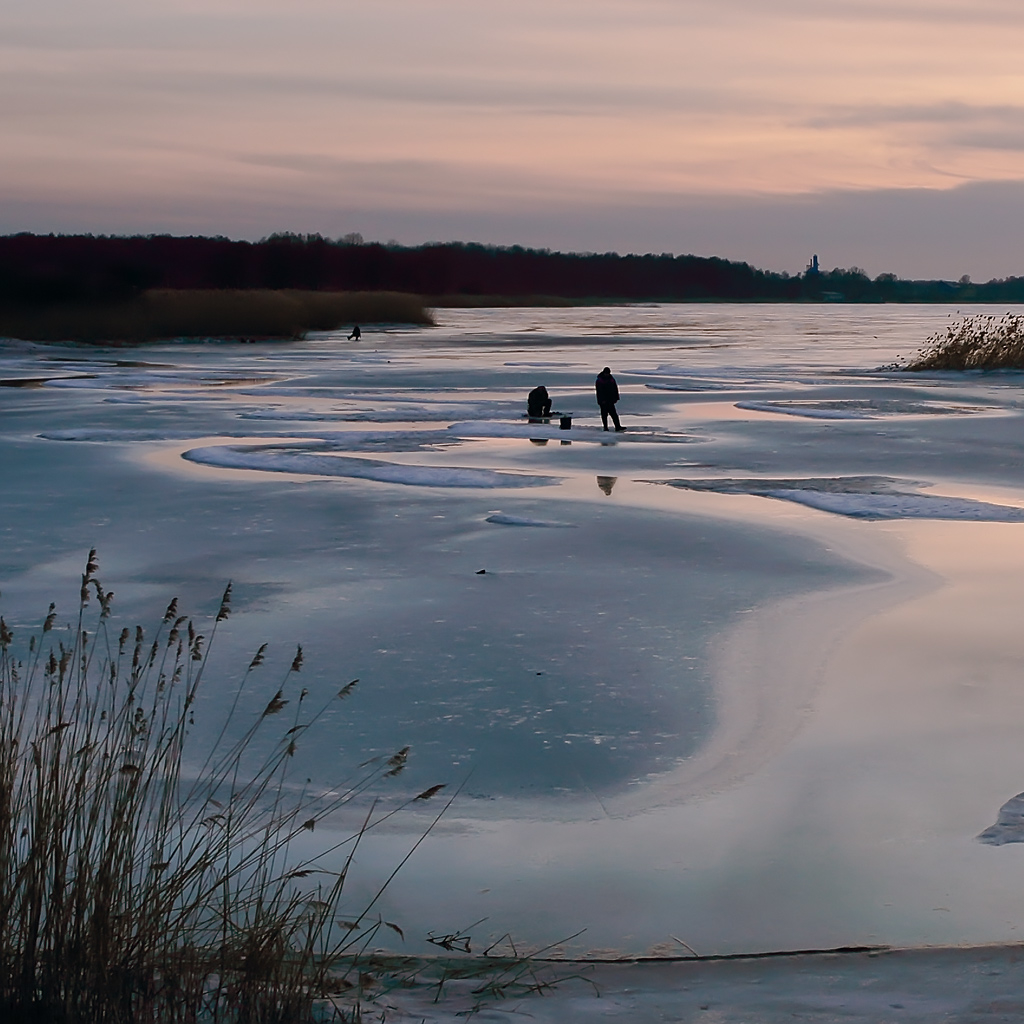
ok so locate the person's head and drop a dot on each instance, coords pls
(607, 369)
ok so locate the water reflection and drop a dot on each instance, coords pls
(606, 483)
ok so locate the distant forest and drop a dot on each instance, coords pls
(49, 269)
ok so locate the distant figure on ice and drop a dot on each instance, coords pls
(356, 333)
(538, 403)
(607, 395)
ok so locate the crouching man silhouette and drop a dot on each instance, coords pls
(538, 403)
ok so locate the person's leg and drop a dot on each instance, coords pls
(604, 415)
(615, 417)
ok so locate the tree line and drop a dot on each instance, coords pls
(49, 269)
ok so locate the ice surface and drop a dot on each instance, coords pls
(742, 722)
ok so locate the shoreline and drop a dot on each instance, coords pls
(937, 983)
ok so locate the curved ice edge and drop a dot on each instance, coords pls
(861, 498)
(507, 520)
(101, 434)
(696, 386)
(901, 506)
(276, 461)
(809, 413)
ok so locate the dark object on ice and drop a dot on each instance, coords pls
(356, 333)
(538, 403)
(565, 423)
(481, 572)
(607, 395)
(1009, 826)
(606, 483)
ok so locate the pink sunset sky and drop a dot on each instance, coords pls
(887, 135)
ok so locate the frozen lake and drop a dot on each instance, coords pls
(748, 675)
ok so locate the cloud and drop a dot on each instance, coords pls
(587, 123)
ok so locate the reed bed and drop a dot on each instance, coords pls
(144, 881)
(210, 313)
(975, 343)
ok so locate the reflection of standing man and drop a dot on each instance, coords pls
(607, 395)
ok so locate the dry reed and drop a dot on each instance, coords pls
(198, 313)
(133, 889)
(975, 343)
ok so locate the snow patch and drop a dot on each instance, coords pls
(276, 460)
(1009, 826)
(863, 497)
(903, 506)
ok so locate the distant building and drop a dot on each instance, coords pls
(812, 267)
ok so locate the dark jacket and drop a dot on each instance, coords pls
(606, 388)
(538, 402)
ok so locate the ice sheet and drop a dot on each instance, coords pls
(863, 498)
(271, 460)
(751, 724)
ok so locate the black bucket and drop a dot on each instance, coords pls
(565, 423)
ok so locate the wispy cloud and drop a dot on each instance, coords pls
(458, 105)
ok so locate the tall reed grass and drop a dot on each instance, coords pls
(141, 879)
(975, 343)
(198, 313)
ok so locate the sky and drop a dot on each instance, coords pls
(884, 134)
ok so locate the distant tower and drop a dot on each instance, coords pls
(812, 267)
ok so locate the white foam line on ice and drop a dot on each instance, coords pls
(423, 413)
(560, 366)
(506, 520)
(100, 434)
(277, 461)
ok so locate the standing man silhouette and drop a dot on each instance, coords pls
(607, 395)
